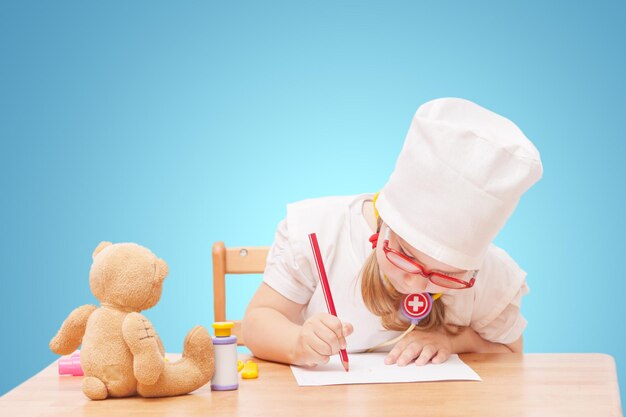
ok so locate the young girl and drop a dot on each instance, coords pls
(457, 180)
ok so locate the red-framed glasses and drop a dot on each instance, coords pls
(459, 281)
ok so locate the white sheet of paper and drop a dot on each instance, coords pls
(370, 368)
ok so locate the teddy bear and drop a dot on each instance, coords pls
(121, 354)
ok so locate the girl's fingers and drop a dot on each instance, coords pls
(330, 343)
(394, 354)
(314, 358)
(410, 352)
(418, 348)
(318, 341)
(427, 353)
(441, 356)
(347, 329)
(335, 325)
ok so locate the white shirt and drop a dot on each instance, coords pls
(491, 307)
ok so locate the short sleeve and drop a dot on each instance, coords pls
(509, 324)
(497, 315)
(284, 273)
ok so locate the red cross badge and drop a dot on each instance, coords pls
(417, 306)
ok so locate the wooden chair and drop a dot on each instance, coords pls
(239, 260)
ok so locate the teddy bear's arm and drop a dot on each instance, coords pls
(70, 335)
(161, 347)
(145, 345)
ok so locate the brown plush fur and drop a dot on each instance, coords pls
(121, 354)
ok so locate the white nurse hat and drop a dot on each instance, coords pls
(459, 176)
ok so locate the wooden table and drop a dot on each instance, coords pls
(513, 385)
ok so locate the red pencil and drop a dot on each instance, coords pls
(321, 271)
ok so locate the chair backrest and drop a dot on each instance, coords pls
(235, 260)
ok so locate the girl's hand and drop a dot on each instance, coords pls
(321, 336)
(424, 346)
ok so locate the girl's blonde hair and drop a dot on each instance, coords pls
(384, 301)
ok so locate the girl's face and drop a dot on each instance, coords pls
(404, 282)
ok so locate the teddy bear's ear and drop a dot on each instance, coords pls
(162, 269)
(101, 246)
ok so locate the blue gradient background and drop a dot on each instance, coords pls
(177, 124)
